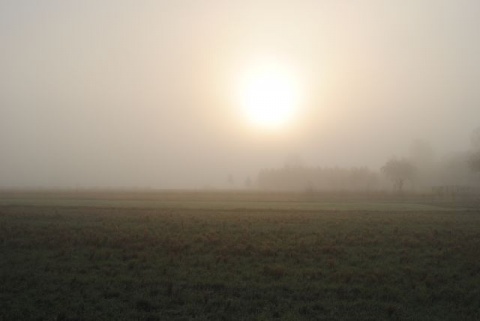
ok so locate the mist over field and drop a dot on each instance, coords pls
(143, 94)
(239, 160)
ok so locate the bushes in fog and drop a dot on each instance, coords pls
(318, 178)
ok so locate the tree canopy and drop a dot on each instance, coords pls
(399, 171)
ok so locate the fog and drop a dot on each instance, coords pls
(141, 93)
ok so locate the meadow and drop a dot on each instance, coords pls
(225, 256)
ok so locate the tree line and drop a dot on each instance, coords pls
(421, 170)
(319, 178)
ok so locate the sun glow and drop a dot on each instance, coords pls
(269, 95)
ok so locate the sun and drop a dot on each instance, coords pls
(269, 95)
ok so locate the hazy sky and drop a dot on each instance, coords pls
(141, 93)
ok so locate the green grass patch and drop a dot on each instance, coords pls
(228, 200)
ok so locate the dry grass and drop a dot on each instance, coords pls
(85, 263)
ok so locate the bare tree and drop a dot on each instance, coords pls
(399, 171)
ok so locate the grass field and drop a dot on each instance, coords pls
(187, 256)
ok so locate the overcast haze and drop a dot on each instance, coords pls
(141, 93)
